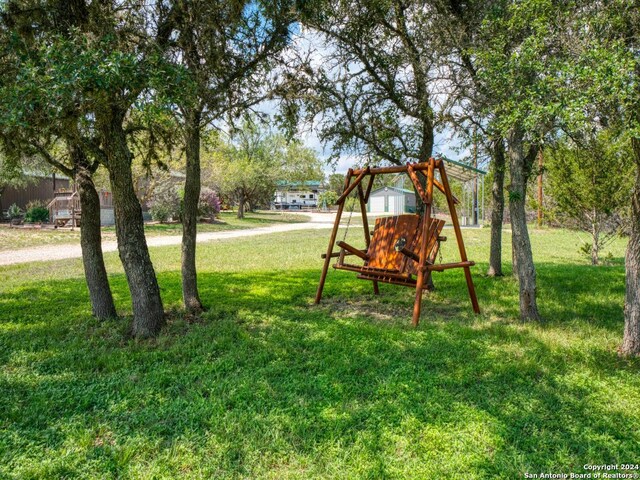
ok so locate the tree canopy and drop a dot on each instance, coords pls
(248, 166)
(590, 184)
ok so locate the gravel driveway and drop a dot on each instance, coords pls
(62, 252)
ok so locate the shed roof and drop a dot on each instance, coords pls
(396, 189)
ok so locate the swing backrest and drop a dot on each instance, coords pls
(388, 230)
(433, 246)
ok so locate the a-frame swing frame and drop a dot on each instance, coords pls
(354, 179)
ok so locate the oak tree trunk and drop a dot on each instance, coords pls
(91, 241)
(190, 295)
(518, 169)
(631, 338)
(426, 151)
(497, 211)
(241, 202)
(148, 313)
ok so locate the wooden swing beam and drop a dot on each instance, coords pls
(354, 180)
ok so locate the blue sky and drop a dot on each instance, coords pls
(443, 146)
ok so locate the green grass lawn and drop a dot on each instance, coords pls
(12, 238)
(267, 385)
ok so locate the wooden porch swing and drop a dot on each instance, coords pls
(402, 246)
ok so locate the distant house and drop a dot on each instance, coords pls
(297, 195)
(58, 194)
(41, 187)
(393, 200)
(65, 209)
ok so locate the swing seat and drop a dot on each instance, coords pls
(392, 256)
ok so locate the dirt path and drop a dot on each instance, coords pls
(62, 252)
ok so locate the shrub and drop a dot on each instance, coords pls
(327, 198)
(209, 204)
(14, 211)
(35, 204)
(165, 204)
(36, 212)
(351, 204)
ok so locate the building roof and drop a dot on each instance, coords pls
(461, 171)
(396, 189)
(308, 183)
(36, 174)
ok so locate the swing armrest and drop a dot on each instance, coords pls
(353, 250)
(337, 254)
(408, 253)
(446, 266)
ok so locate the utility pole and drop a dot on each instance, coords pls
(540, 165)
(475, 178)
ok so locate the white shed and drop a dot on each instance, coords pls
(393, 200)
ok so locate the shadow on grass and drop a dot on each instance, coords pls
(566, 293)
(267, 382)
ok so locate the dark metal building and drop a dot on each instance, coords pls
(39, 187)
